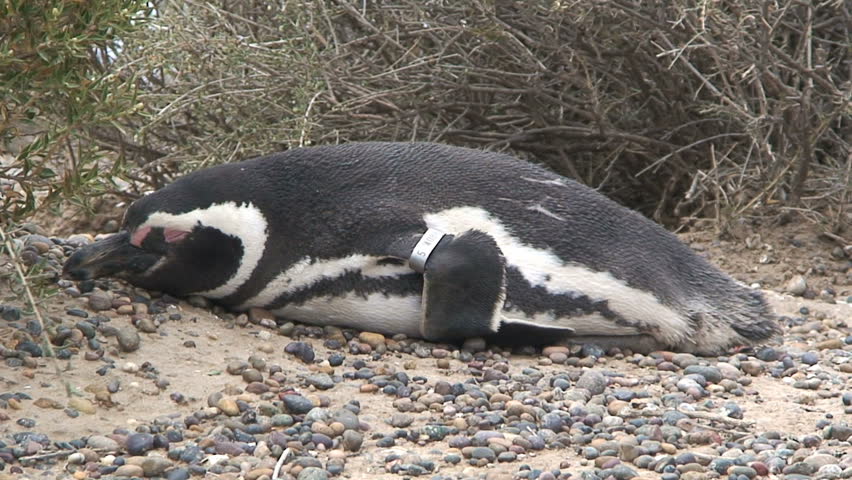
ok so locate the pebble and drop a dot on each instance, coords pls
(374, 340)
(593, 381)
(321, 381)
(139, 443)
(128, 339)
(810, 358)
(82, 405)
(352, 440)
(100, 442)
(100, 301)
(146, 325)
(297, 404)
(313, 473)
(752, 368)
(129, 471)
(796, 286)
(178, 474)
(228, 406)
(303, 351)
(484, 453)
(401, 420)
(711, 374)
(489, 409)
(152, 466)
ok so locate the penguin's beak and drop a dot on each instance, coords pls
(111, 256)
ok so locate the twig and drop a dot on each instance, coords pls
(837, 238)
(283, 458)
(307, 115)
(699, 415)
(718, 418)
(45, 340)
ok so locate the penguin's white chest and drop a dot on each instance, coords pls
(376, 312)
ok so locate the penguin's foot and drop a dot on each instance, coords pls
(464, 288)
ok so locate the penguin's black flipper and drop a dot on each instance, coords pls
(464, 288)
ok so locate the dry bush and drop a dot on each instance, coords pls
(677, 108)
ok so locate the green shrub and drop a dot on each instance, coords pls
(58, 83)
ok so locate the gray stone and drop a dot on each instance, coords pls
(347, 418)
(483, 453)
(128, 339)
(297, 404)
(352, 440)
(154, 466)
(593, 381)
(139, 443)
(796, 286)
(313, 473)
(684, 360)
(100, 442)
(552, 421)
(100, 300)
(401, 420)
(321, 381)
(711, 374)
(817, 460)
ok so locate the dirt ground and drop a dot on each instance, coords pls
(769, 257)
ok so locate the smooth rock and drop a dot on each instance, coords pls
(128, 339)
(139, 443)
(100, 442)
(129, 471)
(796, 286)
(100, 301)
(483, 453)
(229, 407)
(592, 380)
(321, 381)
(297, 404)
(313, 473)
(352, 440)
(82, 405)
(372, 339)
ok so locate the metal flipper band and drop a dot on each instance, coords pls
(424, 248)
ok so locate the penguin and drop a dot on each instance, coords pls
(432, 241)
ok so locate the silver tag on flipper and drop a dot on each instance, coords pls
(424, 248)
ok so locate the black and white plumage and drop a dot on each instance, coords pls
(323, 235)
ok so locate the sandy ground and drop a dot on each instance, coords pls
(197, 372)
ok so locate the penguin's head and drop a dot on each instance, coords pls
(180, 241)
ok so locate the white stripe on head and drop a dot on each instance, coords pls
(245, 222)
(308, 271)
(543, 268)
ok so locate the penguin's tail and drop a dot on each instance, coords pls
(737, 316)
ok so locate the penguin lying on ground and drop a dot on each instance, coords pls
(432, 241)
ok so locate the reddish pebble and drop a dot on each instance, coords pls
(667, 367)
(760, 468)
